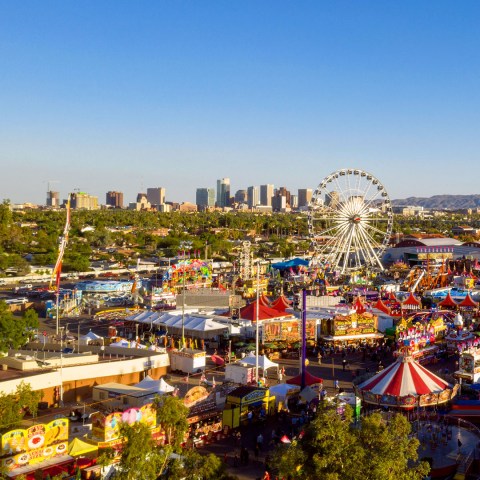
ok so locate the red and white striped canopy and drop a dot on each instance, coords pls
(404, 377)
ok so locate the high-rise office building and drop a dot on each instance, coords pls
(304, 197)
(294, 201)
(279, 202)
(114, 199)
(53, 199)
(241, 196)
(282, 191)
(223, 192)
(266, 194)
(156, 196)
(205, 198)
(253, 197)
(332, 199)
(84, 201)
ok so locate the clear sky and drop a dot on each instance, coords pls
(123, 95)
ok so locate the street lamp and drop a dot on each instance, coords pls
(185, 245)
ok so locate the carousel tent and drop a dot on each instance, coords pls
(263, 362)
(156, 386)
(309, 380)
(448, 301)
(403, 383)
(281, 304)
(264, 313)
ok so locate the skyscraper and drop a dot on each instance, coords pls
(266, 194)
(83, 201)
(282, 191)
(53, 199)
(253, 197)
(223, 192)
(304, 196)
(156, 196)
(114, 199)
(205, 198)
(241, 196)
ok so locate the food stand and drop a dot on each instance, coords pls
(187, 360)
(246, 399)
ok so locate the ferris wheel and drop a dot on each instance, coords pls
(350, 221)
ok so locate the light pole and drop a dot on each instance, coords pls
(256, 323)
(185, 245)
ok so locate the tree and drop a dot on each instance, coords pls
(140, 457)
(172, 416)
(13, 407)
(192, 464)
(333, 449)
(15, 332)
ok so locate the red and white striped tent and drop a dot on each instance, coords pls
(405, 384)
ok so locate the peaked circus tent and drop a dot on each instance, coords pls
(309, 379)
(411, 302)
(379, 305)
(405, 384)
(468, 301)
(448, 301)
(281, 304)
(264, 313)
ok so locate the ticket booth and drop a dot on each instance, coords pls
(247, 405)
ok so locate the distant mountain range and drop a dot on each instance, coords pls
(438, 202)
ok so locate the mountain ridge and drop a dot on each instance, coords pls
(448, 202)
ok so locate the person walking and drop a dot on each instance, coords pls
(319, 357)
(344, 363)
(336, 385)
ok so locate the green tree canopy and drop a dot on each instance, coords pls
(15, 331)
(333, 449)
(172, 416)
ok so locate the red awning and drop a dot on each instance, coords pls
(468, 301)
(309, 380)
(281, 304)
(411, 301)
(264, 313)
(379, 305)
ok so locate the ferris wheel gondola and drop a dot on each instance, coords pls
(350, 221)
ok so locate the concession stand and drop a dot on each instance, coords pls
(469, 364)
(247, 404)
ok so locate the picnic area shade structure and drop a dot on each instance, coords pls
(405, 384)
(201, 326)
(309, 379)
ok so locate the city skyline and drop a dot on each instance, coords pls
(120, 96)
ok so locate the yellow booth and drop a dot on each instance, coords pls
(246, 405)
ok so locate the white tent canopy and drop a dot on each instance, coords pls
(155, 386)
(200, 326)
(90, 337)
(282, 390)
(263, 362)
(121, 343)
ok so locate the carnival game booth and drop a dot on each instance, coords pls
(187, 360)
(41, 447)
(469, 363)
(246, 404)
(204, 416)
(350, 326)
(106, 425)
(458, 338)
(405, 384)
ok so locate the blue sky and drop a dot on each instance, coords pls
(122, 95)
